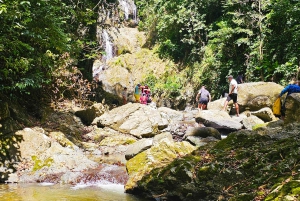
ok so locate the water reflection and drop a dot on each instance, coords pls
(50, 192)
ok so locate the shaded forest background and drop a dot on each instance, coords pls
(50, 45)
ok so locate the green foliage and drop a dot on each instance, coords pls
(215, 38)
(169, 84)
(34, 34)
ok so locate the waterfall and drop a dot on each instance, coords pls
(134, 13)
(125, 7)
(108, 46)
(129, 8)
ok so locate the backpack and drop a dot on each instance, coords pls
(277, 107)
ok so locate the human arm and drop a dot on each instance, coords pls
(209, 98)
(284, 91)
(197, 97)
(232, 88)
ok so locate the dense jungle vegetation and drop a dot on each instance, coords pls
(211, 39)
(40, 40)
(48, 43)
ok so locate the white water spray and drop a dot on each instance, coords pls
(108, 46)
(129, 8)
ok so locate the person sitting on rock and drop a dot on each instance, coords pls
(147, 91)
(124, 95)
(290, 89)
(143, 99)
(240, 78)
(203, 97)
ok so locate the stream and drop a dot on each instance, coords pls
(58, 192)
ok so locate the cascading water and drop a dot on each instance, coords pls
(134, 13)
(125, 7)
(108, 46)
(109, 54)
(129, 8)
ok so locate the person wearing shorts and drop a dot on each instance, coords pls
(233, 92)
(203, 97)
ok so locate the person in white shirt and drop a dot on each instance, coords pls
(233, 91)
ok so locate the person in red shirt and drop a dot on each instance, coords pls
(143, 99)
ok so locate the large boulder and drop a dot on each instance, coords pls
(252, 96)
(257, 95)
(42, 157)
(157, 156)
(265, 114)
(88, 115)
(292, 108)
(218, 119)
(138, 147)
(135, 119)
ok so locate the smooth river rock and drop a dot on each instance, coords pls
(135, 119)
(157, 156)
(218, 120)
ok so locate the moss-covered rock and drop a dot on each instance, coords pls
(292, 108)
(157, 156)
(244, 166)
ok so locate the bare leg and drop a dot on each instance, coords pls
(237, 109)
(225, 105)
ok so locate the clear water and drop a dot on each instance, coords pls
(57, 192)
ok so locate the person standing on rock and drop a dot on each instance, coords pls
(233, 92)
(124, 95)
(137, 93)
(240, 78)
(203, 97)
(290, 89)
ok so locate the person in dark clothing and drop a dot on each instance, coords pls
(240, 78)
(290, 89)
(203, 97)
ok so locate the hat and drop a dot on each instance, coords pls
(229, 76)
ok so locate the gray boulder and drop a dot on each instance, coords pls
(135, 119)
(251, 96)
(257, 95)
(218, 120)
(138, 147)
(42, 157)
